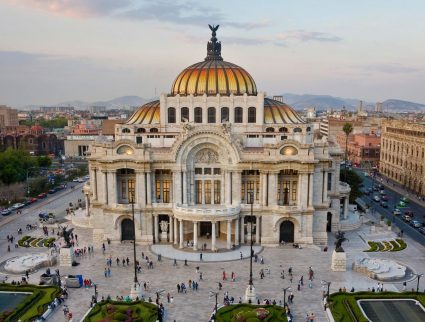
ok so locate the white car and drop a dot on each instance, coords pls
(76, 179)
(17, 206)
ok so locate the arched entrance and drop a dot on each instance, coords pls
(287, 231)
(205, 228)
(329, 222)
(127, 230)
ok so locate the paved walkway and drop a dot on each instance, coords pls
(197, 305)
(168, 251)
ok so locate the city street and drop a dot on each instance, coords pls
(394, 197)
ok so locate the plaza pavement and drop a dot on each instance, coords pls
(197, 305)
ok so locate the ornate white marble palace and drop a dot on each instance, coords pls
(194, 158)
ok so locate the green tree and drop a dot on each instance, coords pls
(44, 162)
(354, 180)
(14, 165)
(347, 128)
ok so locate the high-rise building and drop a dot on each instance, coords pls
(379, 107)
(8, 116)
(403, 153)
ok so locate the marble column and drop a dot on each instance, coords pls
(140, 189)
(236, 187)
(229, 234)
(228, 189)
(272, 188)
(104, 188)
(87, 205)
(242, 229)
(181, 233)
(171, 228)
(148, 188)
(237, 232)
(195, 235)
(346, 202)
(156, 228)
(112, 185)
(257, 229)
(213, 236)
(176, 237)
(93, 179)
(311, 189)
(177, 189)
(184, 188)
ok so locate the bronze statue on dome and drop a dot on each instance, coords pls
(213, 29)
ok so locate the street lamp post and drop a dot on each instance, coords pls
(134, 238)
(418, 276)
(216, 302)
(135, 289)
(284, 294)
(329, 285)
(250, 296)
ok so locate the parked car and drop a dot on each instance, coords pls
(397, 212)
(404, 199)
(51, 191)
(376, 198)
(401, 204)
(6, 212)
(409, 213)
(42, 195)
(75, 179)
(406, 218)
(384, 204)
(87, 177)
(415, 223)
(375, 188)
(367, 192)
(385, 197)
(32, 200)
(382, 192)
(17, 206)
(422, 230)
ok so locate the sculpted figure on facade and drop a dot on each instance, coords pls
(164, 226)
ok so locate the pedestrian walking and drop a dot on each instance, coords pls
(200, 256)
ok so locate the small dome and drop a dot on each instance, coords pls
(214, 75)
(146, 114)
(276, 112)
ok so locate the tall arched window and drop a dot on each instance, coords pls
(185, 114)
(211, 114)
(171, 115)
(198, 115)
(252, 115)
(224, 114)
(238, 115)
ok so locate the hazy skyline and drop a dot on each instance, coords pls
(58, 50)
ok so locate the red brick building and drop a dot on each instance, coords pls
(363, 149)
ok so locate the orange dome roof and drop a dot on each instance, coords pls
(276, 112)
(213, 75)
(146, 114)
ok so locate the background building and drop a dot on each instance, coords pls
(363, 149)
(403, 153)
(8, 116)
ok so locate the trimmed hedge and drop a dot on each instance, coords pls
(344, 306)
(246, 312)
(109, 310)
(32, 306)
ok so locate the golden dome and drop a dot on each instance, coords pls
(276, 112)
(146, 114)
(213, 75)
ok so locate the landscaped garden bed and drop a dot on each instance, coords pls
(28, 241)
(251, 313)
(137, 311)
(344, 306)
(386, 245)
(32, 306)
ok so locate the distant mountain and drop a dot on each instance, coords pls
(394, 105)
(320, 102)
(119, 102)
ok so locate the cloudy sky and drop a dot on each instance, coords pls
(58, 50)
